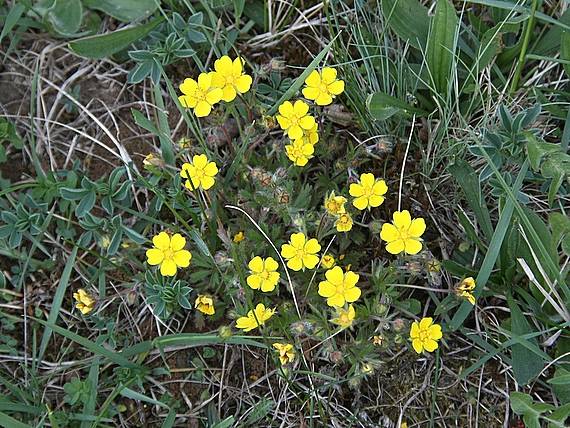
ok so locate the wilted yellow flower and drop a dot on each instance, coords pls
(300, 252)
(339, 287)
(84, 302)
(264, 274)
(377, 340)
(286, 352)
(294, 118)
(344, 317)
(152, 161)
(368, 192)
(335, 204)
(169, 253)
(238, 237)
(323, 87)
(255, 318)
(465, 289)
(327, 261)
(299, 152)
(367, 368)
(200, 95)
(200, 173)
(425, 335)
(404, 235)
(344, 222)
(205, 304)
(311, 136)
(229, 76)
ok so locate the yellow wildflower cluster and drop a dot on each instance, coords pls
(84, 301)
(223, 84)
(295, 120)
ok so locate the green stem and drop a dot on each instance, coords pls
(528, 31)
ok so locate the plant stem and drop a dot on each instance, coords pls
(528, 30)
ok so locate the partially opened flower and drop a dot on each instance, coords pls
(84, 302)
(323, 87)
(238, 237)
(200, 95)
(294, 119)
(368, 192)
(199, 173)
(335, 204)
(169, 253)
(286, 352)
(404, 234)
(301, 252)
(339, 287)
(264, 274)
(344, 317)
(465, 289)
(229, 76)
(425, 334)
(311, 135)
(255, 318)
(344, 222)
(299, 152)
(205, 304)
(327, 261)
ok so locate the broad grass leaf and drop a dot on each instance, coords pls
(124, 10)
(66, 16)
(408, 19)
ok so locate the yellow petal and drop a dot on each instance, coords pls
(335, 275)
(295, 132)
(307, 122)
(352, 294)
(256, 264)
(412, 246)
(367, 180)
(214, 96)
(395, 247)
(298, 240)
(218, 80)
(286, 109)
(187, 101)
(326, 289)
(380, 188)
(284, 123)
(207, 182)
(323, 99)
(314, 79)
(417, 345)
(435, 332)
(177, 242)
(182, 258)
(161, 241)
(154, 257)
(375, 200)
(204, 81)
(267, 285)
(350, 279)
(310, 261)
(288, 251)
(295, 264)
(243, 83)
(336, 300)
(202, 109)
(270, 264)
(356, 190)
(301, 108)
(237, 66)
(336, 88)
(168, 268)
(312, 246)
(415, 330)
(223, 65)
(417, 227)
(402, 219)
(425, 323)
(211, 169)
(389, 232)
(254, 281)
(430, 345)
(311, 93)
(229, 93)
(246, 324)
(200, 161)
(188, 86)
(361, 203)
(328, 75)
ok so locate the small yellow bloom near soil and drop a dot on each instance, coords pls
(301, 252)
(264, 275)
(84, 302)
(286, 352)
(205, 304)
(345, 317)
(339, 287)
(229, 76)
(200, 173)
(323, 86)
(200, 95)
(465, 289)
(168, 253)
(404, 234)
(425, 334)
(255, 318)
(294, 119)
(368, 192)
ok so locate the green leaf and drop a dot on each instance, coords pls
(12, 19)
(134, 395)
(408, 19)
(441, 45)
(10, 422)
(560, 225)
(124, 10)
(104, 45)
(382, 106)
(526, 365)
(260, 411)
(226, 423)
(560, 380)
(66, 16)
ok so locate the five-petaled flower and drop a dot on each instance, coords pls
(200, 95)
(335, 204)
(344, 317)
(344, 222)
(327, 261)
(264, 274)
(229, 76)
(169, 253)
(323, 87)
(368, 192)
(255, 318)
(294, 119)
(286, 352)
(311, 136)
(339, 287)
(404, 235)
(84, 302)
(199, 173)
(465, 289)
(425, 334)
(299, 152)
(205, 304)
(300, 252)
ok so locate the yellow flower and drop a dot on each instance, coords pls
(205, 304)
(425, 334)
(368, 191)
(344, 222)
(229, 76)
(200, 95)
(200, 173)
(299, 152)
(301, 252)
(286, 352)
(335, 204)
(323, 87)
(293, 118)
(263, 274)
(311, 136)
(327, 261)
(255, 318)
(345, 317)
(465, 289)
(404, 234)
(85, 303)
(238, 237)
(339, 287)
(169, 253)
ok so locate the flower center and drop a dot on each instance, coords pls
(323, 88)
(424, 335)
(343, 318)
(168, 254)
(265, 274)
(300, 253)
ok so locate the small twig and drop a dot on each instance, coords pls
(404, 164)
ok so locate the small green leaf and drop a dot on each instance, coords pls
(66, 16)
(408, 19)
(124, 10)
(382, 106)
